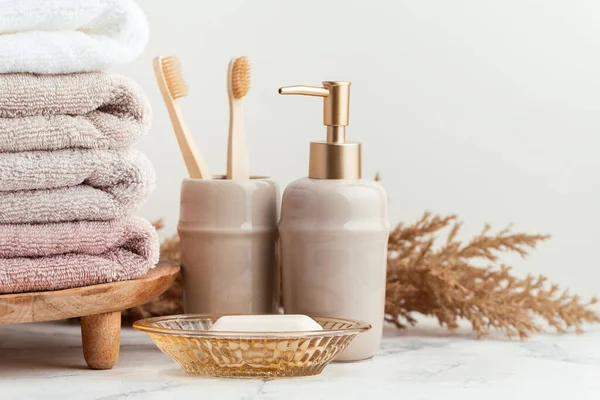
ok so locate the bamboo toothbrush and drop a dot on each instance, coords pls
(238, 84)
(172, 87)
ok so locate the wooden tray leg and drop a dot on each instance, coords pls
(101, 335)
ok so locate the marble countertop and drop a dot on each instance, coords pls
(427, 362)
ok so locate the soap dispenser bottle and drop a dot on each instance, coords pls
(334, 230)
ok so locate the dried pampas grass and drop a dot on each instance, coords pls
(444, 280)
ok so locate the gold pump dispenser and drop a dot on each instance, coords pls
(335, 158)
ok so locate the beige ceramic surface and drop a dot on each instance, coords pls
(228, 231)
(334, 244)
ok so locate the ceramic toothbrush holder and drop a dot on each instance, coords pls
(228, 233)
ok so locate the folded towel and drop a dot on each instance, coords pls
(36, 257)
(64, 36)
(71, 185)
(87, 110)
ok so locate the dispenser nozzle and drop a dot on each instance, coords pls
(305, 90)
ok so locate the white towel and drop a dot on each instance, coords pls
(64, 36)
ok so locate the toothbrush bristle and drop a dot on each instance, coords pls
(174, 77)
(240, 77)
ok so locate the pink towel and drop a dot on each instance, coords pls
(39, 257)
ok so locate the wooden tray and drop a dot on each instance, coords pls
(99, 307)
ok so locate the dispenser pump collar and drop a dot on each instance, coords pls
(335, 158)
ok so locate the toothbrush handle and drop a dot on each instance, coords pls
(194, 161)
(237, 152)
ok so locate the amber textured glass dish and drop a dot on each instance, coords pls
(199, 351)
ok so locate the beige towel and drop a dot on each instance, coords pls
(86, 110)
(72, 185)
(35, 257)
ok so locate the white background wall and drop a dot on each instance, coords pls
(488, 109)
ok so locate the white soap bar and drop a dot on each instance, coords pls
(266, 323)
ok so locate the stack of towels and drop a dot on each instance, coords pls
(69, 180)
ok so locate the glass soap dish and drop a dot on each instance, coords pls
(199, 351)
